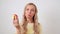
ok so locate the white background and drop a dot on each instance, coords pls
(48, 15)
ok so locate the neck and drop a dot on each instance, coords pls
(29, 20)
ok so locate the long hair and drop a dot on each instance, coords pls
(35, 20)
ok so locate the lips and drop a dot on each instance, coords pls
(29, 15)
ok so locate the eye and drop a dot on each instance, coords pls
(27, 9)
(32, 10)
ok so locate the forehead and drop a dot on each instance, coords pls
(30, 6)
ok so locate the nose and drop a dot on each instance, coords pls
(29, 11)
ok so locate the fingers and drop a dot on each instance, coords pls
(15, 17)
(16, 21)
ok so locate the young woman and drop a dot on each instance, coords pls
(30, 22)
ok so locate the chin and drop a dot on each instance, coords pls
(28, 17)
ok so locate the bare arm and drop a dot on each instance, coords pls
(18, 31)
(16, 24)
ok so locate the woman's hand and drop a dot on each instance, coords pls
(16, 21)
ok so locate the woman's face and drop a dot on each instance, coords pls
(30, 11)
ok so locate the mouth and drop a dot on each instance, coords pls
(29, 15)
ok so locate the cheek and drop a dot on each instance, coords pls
(32, 14)
(26, 13)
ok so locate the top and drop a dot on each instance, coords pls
(30, 28)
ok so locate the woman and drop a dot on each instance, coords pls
(30, 22)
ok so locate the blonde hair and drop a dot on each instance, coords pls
(35, 20)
